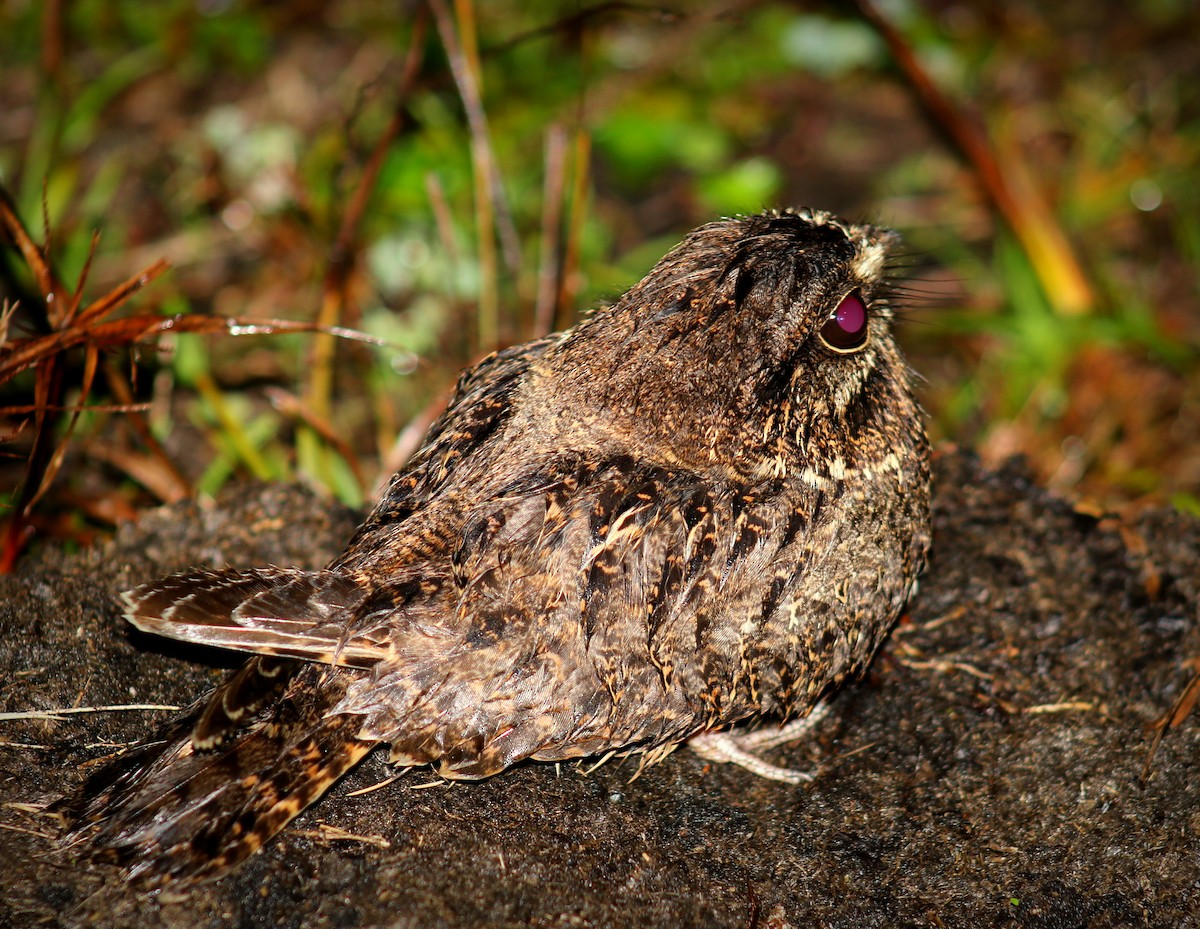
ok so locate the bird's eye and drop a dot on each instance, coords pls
(846, 329)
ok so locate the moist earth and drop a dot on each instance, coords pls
(998, 765)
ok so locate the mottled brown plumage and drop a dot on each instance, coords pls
(706, 503)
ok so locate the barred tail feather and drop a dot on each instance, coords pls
(168, 810)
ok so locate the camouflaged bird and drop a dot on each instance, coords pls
(705, 503)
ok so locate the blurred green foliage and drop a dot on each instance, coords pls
(230, 136)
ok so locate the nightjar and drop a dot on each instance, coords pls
(706, 503)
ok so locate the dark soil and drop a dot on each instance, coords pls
(988, 772)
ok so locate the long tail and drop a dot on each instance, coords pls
(188, 809)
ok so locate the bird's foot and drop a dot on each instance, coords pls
(740, 748)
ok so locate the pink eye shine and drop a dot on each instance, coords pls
(846, 328)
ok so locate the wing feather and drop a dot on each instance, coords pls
(268, 611)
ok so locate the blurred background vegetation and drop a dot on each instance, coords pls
(453, 175)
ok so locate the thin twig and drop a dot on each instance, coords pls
(493, 219)
(1069, 706)
(153, 472)
(119, 294)
(26, 408)
(550, 263)
(945, 666)
(40, 835)
(52, 40)
(489, 298)
(344, 251)
(328, 833)
(292, 406)
(72, 710)
(170, 485)
(953, 615)
(91, 359)
(129, 330)
(77, 294)
(1180, 709)
(445, 223)
(1011, 191)
(569, 284)
(378, 786)
(33, 255)
(440, 782)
